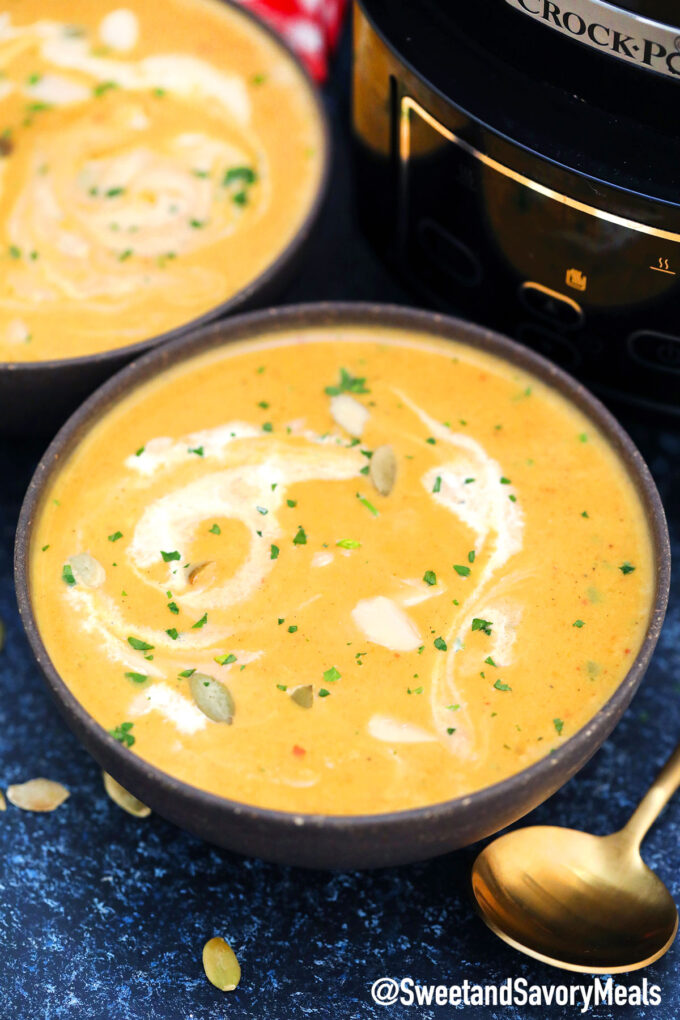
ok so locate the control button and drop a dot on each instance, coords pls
(449, 254)
(657, 350)
(550, 304)
(550, 344)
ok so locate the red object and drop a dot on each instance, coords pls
(298, 751)
(310, 27)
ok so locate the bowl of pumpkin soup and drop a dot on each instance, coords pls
(342, 585)
(160, 166)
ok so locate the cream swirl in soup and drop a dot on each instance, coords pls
(152, 163)
(344, 571)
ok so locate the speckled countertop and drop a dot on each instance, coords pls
(103, 916)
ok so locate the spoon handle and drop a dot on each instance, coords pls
(654, 801)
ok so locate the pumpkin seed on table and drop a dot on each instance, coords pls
(37, 795)
(221, 967)
(125, 800)
(3, 802)
(303, 696)
(383, 469)
(212, 697)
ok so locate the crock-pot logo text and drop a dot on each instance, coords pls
(606, 28)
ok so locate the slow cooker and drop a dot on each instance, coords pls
(519, 161)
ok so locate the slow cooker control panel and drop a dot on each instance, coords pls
(583, 279)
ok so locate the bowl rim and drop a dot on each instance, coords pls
(271, 270)
(576, 749)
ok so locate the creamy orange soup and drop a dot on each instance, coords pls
(342, 570)
(154, 159)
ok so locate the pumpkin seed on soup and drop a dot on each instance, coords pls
(303, 696)
(212, 697)
(383, 469)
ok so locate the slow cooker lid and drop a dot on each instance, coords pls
(554, 96)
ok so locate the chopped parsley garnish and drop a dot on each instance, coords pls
(114, 192)
(173, 607)
(559, 726)
(583, 437)
(431, 440)
(282, 687)
(239, 173)
(139, 645)
(489, 661)
(584, 513)
(512, 498)
(168, 556)
(292, 629)
(186, 673)
(578, 623)
(440, 643)
(14, 252)
(429, 577)
(137, 678)
(291, 502)
(483, 625)
(323, 693)
(505, 481)
(240, 197)
(331, 675)
(225, 660)
(471, 556)
(300, 537)
(462, 571)
(67, 574)
(267, 427)
(140, 451)
(104, 86)
(173, 633)
(200, 623)
(348, 383)
(626, 568)
(437, 484)
(115, 536)
(273, 552)
(450, 730)
(124, 255)
(198, 450)
(500, 686)
(369, 506)
(349, 543)
(122, 734)
(414, 690)
(469, 481)
(215, 530)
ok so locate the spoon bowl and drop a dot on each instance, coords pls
(581, 902)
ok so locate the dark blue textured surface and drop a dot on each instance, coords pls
(103, 916)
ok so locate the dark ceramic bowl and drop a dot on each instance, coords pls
(333, 841)
(37, 396)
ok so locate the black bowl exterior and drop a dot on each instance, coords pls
(37, 396)
(335, 841)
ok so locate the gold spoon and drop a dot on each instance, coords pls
(581, 902)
